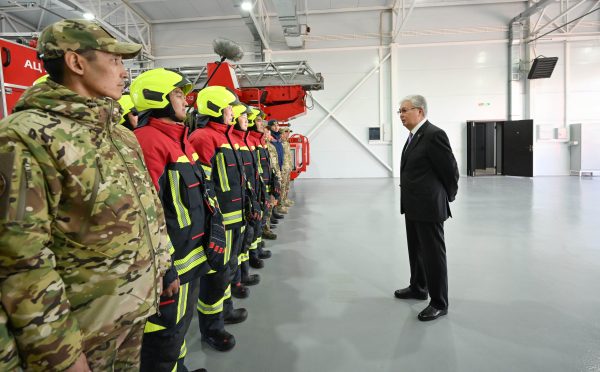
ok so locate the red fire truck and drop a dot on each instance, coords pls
(20, 68)
(277, 88)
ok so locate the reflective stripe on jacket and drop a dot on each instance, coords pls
(175, 171)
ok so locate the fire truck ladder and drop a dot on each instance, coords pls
(262, 74)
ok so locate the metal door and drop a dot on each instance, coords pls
(517, 153)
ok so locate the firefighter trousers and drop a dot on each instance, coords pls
(163, 344)
(255, 248)
(235, 240)
(214, 299)
(214, 290)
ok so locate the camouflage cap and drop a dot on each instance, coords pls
(80, 34)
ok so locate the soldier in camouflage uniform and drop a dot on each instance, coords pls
(83, 244)
(274, 158)
(287, 167)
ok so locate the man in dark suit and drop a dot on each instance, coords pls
(428, 183)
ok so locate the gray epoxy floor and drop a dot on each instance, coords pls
(524, 279)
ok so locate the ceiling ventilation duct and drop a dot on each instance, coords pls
(288, 18)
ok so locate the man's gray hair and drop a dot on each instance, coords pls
(417, 101)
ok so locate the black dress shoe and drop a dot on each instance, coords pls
(277, 215)
(274, 221)
(264, 254)
(252, 279)
(431, 313)
(408, 293)
(240, 291)
(200, 370)
(220, 340)
(236, 316)
(256, 263)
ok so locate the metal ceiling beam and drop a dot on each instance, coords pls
(531, 10)
(588, 11)
(321, 11)
(115, 10)
(194, 19)
(145, 40)
(562, 14)
(12, 20)
(405, 16)
(552, 22)
(143, 16)
(42, 14)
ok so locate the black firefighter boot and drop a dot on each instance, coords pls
(236, 316)
(264, 254)
(238, 290)
(251, 279)
(256, 262)
(219, 339)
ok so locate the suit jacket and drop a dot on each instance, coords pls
(428, 176)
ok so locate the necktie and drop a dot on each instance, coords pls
(410, 136)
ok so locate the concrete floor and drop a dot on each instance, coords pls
(524, 279)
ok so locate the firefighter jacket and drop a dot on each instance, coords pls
(250, 172)
(173, 167)
(82, 239)
(252, 140)
(246, 161)
(223, 168)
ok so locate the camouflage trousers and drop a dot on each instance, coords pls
(266, 222)
(285, 185)
(120, 352)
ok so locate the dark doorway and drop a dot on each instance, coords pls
(517, 142)
(500, 148)
(482, 150)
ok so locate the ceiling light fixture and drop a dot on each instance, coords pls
(247, 6)
(89, 16)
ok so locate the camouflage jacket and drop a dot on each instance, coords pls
(274, 160)
(82, 234)
(287, 157)
(9, 359)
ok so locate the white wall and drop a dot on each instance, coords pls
(455, 56)
(571, 95)
(463, 76)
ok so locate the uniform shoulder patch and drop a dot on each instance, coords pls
(6, 169)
